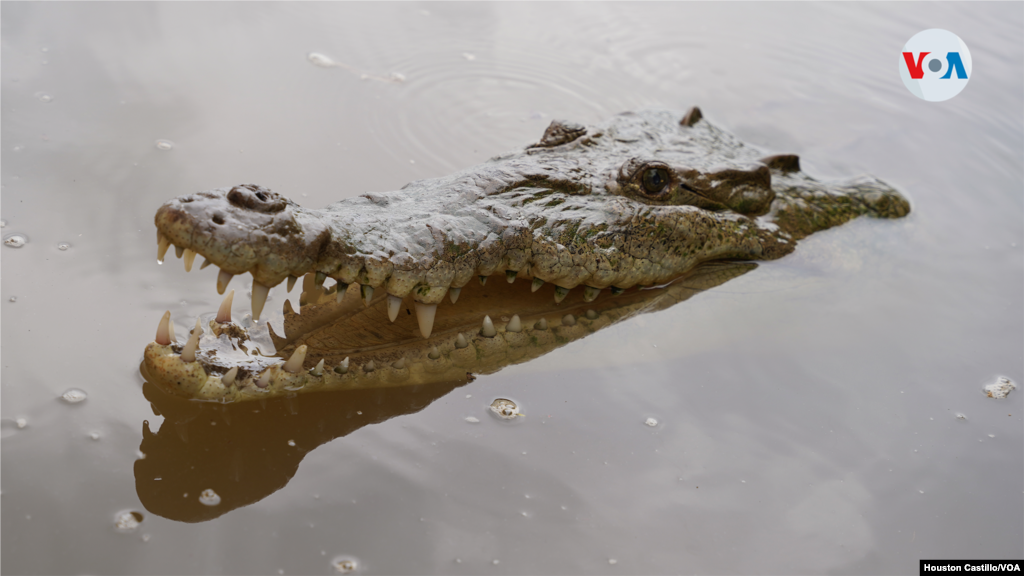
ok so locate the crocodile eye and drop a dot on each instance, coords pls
(655, 181)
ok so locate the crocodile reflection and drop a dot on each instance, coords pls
(246, 451)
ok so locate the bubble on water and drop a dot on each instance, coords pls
(504, 408)
(651, 422)
(961, 416)
(94, 435)
(74, 396)
(472, 420)
(209, 497)
(469, 395)
(3, 223)
(162, 144)
(345, 564)
(991, 435)
(63, 246)
(127, 520)
(321, 60)
(146, 537)
(1001, 388)
(19, 147)
(397, 77)
(21, 422)
(13, 298)
(44, 97)
(468, 56)
(15, 240)
(291, 442)
(495, 561)
(613, 561)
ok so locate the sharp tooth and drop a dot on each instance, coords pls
(170, 330)
(537, 283)
(560, 294)
(488, 330)
(264, 379)
(367, 291)
(514, 325)
(222, 281)
(291, 282)
(288, 307)
(342, 289)
(590, 294)
(483, 280)
(541, 324)
(616, 291)
(190, 257)
(318, 370)
(510, 275)
(460, 341)
(229, 378)
(343, 367)
(400, 364)
(425, 316)
(163, 336)
(591, 315)
(453, 294)
(318, 280)
(294, 364)
(259, 298)
(394, 306)
(369, 367)
(224, 312)
(568, 320)
(206, 262)
(434, 353)
(178, 251)
(163, 243)
(188, 353)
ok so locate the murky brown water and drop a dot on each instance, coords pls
(806, 411)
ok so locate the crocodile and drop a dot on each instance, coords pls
(587, 212)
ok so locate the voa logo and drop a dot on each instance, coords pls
(935, 65)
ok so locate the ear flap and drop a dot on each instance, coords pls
(692, 117)
(782, 162)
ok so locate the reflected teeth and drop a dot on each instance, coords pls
(367, 291)
(425, 316)
(488, 331)
(222, 281)
(591, 315)
(400, 364)
(288, 308)
(453, 294)
(163, 333)
(294, 364)
(369, 366)
(188, 353)
(541, 324)
(537, 283)
(170, 330)
(161, 248)
(394, 306)
(590, 294)
(510, 275)
(560, 294)
(229, 378)
(259, 298)
(291, 282)
(342, 289)
(318, 370)
(224, 312)
(206, 262)
(178, 251)
(568, 320)
(318, 280)
(514, 325)
(190, 257)
(434, 353)
(616, 291)
(483, 280)
(460, 341)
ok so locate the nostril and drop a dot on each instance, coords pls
(218, 219)
(261, 196)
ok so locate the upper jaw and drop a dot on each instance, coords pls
(244, 229)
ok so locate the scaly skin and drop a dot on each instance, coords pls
(638, 200)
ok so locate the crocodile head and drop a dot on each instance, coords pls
(639, 200)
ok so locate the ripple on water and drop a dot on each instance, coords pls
(163, 144)
(74, 396)
(15, 240)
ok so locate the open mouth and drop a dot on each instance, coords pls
(347, 337)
